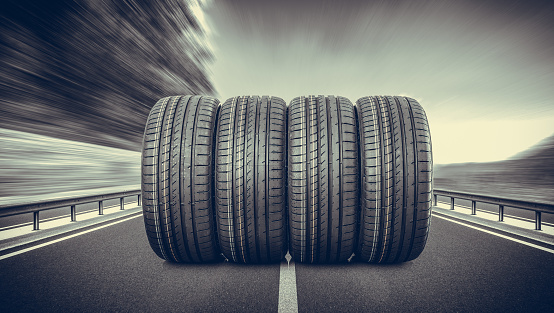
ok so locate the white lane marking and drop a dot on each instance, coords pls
(288, 300)
(65, 238)
(497, 234)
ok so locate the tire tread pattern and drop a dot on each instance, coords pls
(250, 179)
(323, 179)
(177, 167)
(396, 179)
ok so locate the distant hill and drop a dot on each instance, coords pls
(542, 150)
(528, 175)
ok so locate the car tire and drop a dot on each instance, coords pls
(323, 179)
(251, 179)
(177, 174)
(396, 179)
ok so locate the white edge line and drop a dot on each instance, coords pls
(65, 238)
(498, 235)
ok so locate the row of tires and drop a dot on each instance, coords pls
(254, 178)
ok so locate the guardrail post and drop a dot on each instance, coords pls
(138, 200)
(473, 207)
(73, 214)
(100, 207)
(537, 220)
(501, 213)
(121, 204)
(451, 203)
(435, 196)
(35, 220)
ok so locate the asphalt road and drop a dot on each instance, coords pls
(114, 269)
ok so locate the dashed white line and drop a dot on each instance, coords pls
(288, 299)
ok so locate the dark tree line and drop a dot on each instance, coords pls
(91, 70)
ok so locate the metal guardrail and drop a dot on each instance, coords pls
(36, 206)
(537, 207)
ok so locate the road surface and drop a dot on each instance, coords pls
(113, 269)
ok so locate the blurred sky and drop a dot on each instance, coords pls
(483, 70)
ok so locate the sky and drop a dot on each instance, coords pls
(482, 70)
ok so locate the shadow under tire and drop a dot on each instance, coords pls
(396, 179)
(177, 170)
(251, 179)
(323, 179)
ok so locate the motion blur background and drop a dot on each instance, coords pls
(78, 79)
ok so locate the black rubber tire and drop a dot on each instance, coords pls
(251, 179)
(177, 169)
(323, 179)
(396, 179)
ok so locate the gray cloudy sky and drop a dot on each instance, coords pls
(483, 70)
